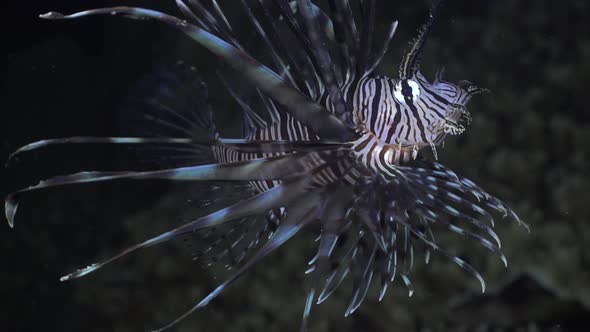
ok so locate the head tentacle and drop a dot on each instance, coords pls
(411, 61)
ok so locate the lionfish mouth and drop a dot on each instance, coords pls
(303, 163)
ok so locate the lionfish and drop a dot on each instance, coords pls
(338, 146)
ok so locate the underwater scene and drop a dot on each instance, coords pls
(295, 165)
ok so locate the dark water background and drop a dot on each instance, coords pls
(529, 144)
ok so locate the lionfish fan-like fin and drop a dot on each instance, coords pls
(384, 48)
(492, 202)
(338, 275)
(330, 75)
(393, 266)
(202, 16)
(409, 250)
(477, 191)
(324, 21)
(300, 106)
(445, 190)
(302, 212)
(192, 16)
(328, 240)
(97, 140)
(449, 210)
(366, 43)
(437, 187)
(279, 146)
(344, 19)
(307, 310)
(271, 108)
(305, 55)
(344, 35)
(333, 216)
(446, 206)
(199, 14)
(449, 203)
(242, 145)
(227, 245)
(439, 179)
(383, 262)
(457, 260)
(276, 197)
(480, 239)
(271, 168)
(408, 284)
(358, 265)
(360, 290)
(221, 15)
(280, 64)
(363, 215)
(404, 243)
(252, 121)
(430, 235)
(296, 58)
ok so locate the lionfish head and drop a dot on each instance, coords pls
(448, 100)
(454, 99)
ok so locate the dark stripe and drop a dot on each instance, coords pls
(436, 96)
(396, 120)
(425, 107)
(371, 150)
(375, 105)
(349, 96)
(382, 156)
(361, 146)
(418, 121)
(434, 107)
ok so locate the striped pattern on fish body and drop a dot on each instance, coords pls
(396, 124)
(283, 128)
(393, 129)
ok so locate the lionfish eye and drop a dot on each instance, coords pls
(406, 91)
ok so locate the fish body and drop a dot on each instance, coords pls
(330, 142)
